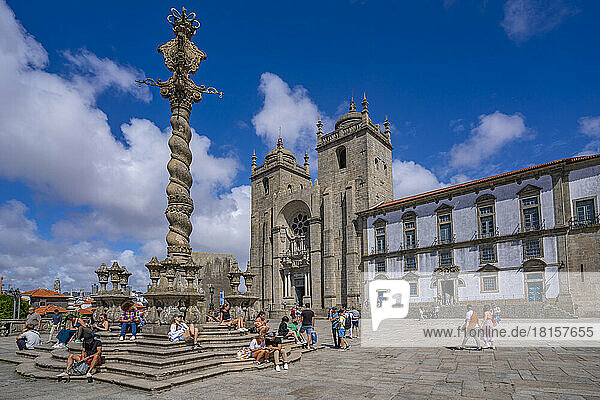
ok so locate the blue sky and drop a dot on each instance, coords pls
(472, 88)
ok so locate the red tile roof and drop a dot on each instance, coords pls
(43, 293)
(49, 309)
(570, 160)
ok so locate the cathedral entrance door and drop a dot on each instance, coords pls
(448, 292)
(300, 290)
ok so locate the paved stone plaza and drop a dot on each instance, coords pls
(373, 373)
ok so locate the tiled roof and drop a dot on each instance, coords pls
(43, 293)
(49, 309)
(570, 160)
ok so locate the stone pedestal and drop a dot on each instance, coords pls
(109, 301)
(175, 289)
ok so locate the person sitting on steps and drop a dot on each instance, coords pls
(180, 332)
(225, 319)
(284, 330)
(91, 351)
(67, 332)
(28, 339)
(261, 323)
(258, 350)
(274, 346)
(129, 319)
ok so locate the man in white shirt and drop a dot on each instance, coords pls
(29, 338)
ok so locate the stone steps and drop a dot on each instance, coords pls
(159, 385)
(152, 362)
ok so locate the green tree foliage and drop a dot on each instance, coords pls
(6, 307)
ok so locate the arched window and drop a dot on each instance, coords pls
(289, 188)
(266, 185)
(341, 156)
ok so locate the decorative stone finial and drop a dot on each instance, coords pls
(253, 165)
(306, 161)
(319, 125)
(352, 104)
(280, 143)
(386, 123)
(365, 103)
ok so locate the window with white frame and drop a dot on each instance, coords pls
(410, 263)
(487, 253)
(446, 257)
(380, 266)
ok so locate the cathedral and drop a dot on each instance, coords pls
(527, 240)
(306, 240)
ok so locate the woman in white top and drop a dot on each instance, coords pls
(180, 331)
(258, 349)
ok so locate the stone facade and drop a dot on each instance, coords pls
(306, 239)
(527, 236)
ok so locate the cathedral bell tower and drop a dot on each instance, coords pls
(355, 173)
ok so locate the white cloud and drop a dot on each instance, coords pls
(98, 74)
(526, 18)
(290, 109)
(590, 126)
(411, 178)
(493, 132)
(55, 140)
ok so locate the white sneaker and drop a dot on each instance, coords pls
(62, 374)
(285, 366)
(277, 368)
(88, 375)
(121, 338)
(132, 338)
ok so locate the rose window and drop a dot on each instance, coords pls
(300, 225)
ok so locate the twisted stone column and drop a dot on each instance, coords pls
(180, 204)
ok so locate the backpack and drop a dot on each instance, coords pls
(348, 323)
(79, 368)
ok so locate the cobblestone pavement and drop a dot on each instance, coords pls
(372, 373)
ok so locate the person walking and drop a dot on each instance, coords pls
(470, 328)
(308, 322)
(56, 321)
(487, 327)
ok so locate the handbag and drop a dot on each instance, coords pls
(313, 337)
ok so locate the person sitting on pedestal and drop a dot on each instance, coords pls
(129, 319)
(180, 331)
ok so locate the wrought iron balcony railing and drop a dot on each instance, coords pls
(584, 222)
